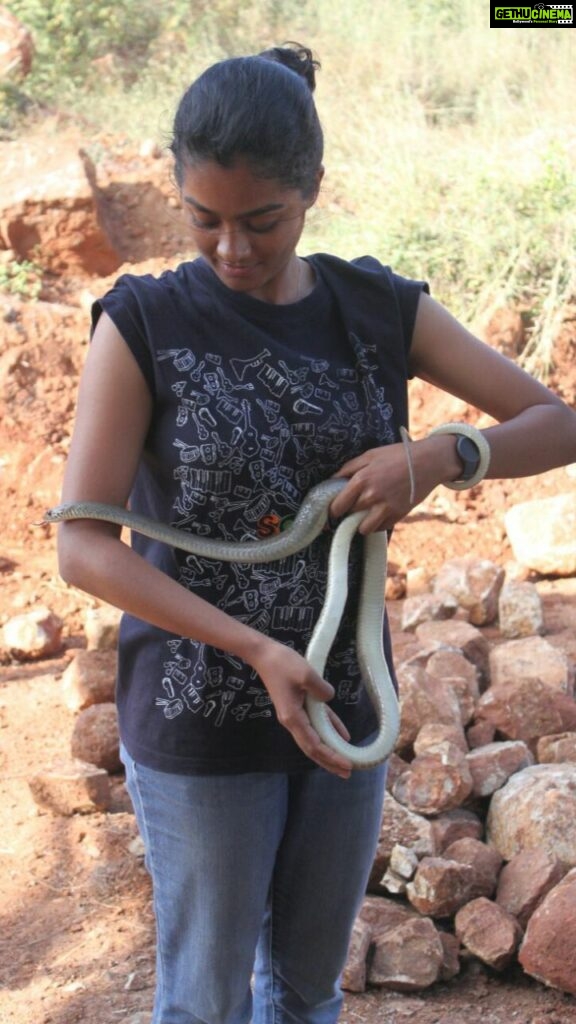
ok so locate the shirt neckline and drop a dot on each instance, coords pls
(257, 308)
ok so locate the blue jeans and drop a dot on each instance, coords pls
(255, 876)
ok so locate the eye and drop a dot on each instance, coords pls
(203, 225)
(261, 229)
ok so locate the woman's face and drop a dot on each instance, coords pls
(246, 228)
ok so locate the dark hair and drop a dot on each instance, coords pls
(260, 108)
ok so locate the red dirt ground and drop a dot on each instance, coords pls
(76, 932)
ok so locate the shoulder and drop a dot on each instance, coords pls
(145, 287)
(367, 271)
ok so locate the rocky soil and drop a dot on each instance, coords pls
(76, 931)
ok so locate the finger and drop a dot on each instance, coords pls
(347, 500)
(310, 743)
(338, 725)
(319, 688)
(378, 519)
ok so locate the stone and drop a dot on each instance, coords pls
(547, 952)
(489, 932)
(480, 734)
(33, 635)
(526, 880)
(101, 627)
(423, 699)
(400, 825)
(492, 765)
(485, 860)
(440, 886)
(456, 636)
(520, 611)
(531, 659)
(527, 709)
(95, 737)
(535, 809)
(451, 961)
(401, 868)
(51, 212)
(434, 734)
(392, 883)
(403, 861)
(71, 788)
(354, 974)
(423, 607)
(541, 534)
(417, 581)
(16, 47)
(460, 823)
(557, 748)
(407, 958)
(475, 583)
(381, 914)
(89, 679)
(395, 767)
(435, 781)
(462, 677)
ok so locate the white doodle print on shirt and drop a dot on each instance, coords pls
(250, 437)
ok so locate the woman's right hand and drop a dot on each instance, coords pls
(288, 679)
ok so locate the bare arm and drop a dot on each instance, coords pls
(114, 410)
(536, 431)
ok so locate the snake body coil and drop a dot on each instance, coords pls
(308, 524)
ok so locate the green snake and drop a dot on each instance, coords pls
(310, 521)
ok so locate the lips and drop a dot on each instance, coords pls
(236, 269)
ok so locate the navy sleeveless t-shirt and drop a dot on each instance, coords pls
(254, 404)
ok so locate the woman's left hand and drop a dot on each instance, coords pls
(379, 480)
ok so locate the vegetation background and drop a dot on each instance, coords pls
(450, 146)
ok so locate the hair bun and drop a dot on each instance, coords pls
(297, 58)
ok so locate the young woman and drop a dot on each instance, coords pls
(214, 397)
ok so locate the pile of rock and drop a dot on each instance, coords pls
(477, 852)
(478, 841)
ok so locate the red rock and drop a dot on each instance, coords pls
(531, 660)
(476, 585)
(486, 861)
(433, 734)
(95, 737)
(557, 749)
(440, 887)
(459, 636)
(71, 788)
(489, 932)
(435, 782)
(526, 880)
(457, 824)
(526, 709)
(451, 962)
(536, 809)
(89, 679)
(400, 825)
(491, 766)
(407, 958)
(354, 974)
(423, 699)
(547, 952)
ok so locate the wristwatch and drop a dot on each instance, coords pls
(469, 455)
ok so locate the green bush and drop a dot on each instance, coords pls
(69, 35)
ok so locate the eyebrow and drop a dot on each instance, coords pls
(260, 211)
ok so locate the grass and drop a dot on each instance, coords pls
(450, 146)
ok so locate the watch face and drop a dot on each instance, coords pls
(469, 454)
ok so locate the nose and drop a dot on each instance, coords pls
(233, 244)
